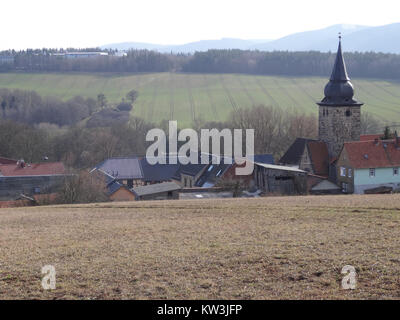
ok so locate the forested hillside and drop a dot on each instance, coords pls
(312, 63)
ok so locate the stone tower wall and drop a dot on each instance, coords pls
(337, 125)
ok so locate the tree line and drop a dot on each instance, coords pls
(29, 107)
(84, 147)
(312, 63)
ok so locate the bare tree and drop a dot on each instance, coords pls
(370, 124)
(132, 96)
(82, 188)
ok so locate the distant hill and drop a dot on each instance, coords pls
(203, 45)
(355, 38)
(318, 40)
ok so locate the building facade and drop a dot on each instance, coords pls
(369, 166)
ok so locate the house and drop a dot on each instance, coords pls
(369, 166)
(157, 191)
(282, 180)
(115, 190)
(308, 155)
(30, 180)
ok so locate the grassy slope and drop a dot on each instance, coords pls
(207, 96)
(280, 247)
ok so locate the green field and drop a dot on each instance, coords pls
(185, 97)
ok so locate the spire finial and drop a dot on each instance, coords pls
(340, 36)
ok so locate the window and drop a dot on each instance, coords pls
(395, 171)
(219, 173)
(348, 113)
(210, 168)
(37, 189)
(349, 172)
(344, 187)
(372, 172)
(342, 171)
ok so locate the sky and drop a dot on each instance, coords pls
(88, 23)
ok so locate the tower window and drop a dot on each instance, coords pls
(348, 113)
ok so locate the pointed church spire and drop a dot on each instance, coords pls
(339, 90)
(339, 72)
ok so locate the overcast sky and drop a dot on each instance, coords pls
(87, 23)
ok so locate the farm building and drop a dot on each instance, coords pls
(30, 179)
(281, 180)
(157, 191)
(81, 54)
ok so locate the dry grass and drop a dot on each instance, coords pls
(280, 247)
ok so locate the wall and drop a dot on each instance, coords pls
(161, 196)
(344, 162)
(383, 177)
(122, 195)
(335, 127)
(305, 161)
(280, 181)
(12, 187)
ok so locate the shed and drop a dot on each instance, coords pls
(280, 179)
(157, 191)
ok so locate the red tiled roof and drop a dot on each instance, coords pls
(319, 157)
(7, 161)
(35, 169)
(369, 137)
(368, 154)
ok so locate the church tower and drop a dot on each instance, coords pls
(339, 113)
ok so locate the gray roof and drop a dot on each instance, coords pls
(276, 167)
(155, 188)
(339, 90)
(294, 153)
(122, 168)
(205, 195)
(325, 185)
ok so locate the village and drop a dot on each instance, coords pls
(341, 161)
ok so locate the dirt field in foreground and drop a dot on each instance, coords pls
(270, 248)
